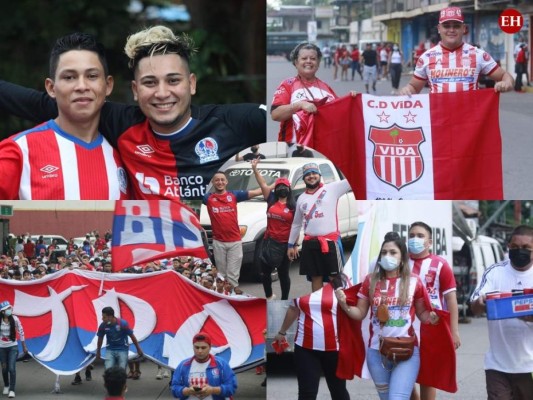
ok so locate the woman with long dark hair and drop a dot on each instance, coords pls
(280, 213)
(9, 327)
(394, 296)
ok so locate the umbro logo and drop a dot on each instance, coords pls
(48, 169)
(144, 150)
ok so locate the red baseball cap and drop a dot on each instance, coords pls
(282, 181)
(451, 14)
(201, 337)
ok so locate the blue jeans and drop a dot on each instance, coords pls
(115, 358)
(393, 381)
(8, 359)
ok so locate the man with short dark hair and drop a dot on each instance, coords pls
(115, 383)
(116, 332)
(509, 361)
(67, 158)
(301, 151)
(252, 155)
(439, 281)
(222, 208)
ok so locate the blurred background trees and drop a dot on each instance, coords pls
(230, 36)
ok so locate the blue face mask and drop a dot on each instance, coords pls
(8, 312)
(388, 263)
(416, 245)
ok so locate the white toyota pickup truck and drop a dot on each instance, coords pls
(252, 213)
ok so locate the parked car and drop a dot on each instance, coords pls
(470, 259)
(252, 213)
(60, 240)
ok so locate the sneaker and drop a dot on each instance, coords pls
(259, 370)
(166, 374)
(77, 380)
(11, 394)
(159, 375)
(6, 390)
(273, 297)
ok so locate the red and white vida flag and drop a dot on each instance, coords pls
(428, 146)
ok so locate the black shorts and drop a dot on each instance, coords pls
(315, 263)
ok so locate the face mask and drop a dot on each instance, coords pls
(254, 149)
(8, 313)
(388, 263)
(520, 257)
(282, 192)
(395, 48)
(416, 245)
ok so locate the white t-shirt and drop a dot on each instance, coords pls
(322, 205)
(511, 340)
(198, 375)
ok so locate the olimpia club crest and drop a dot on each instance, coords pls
(207, 150)
(397, 160)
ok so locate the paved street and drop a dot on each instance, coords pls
(515, 122)
(470, 373)
(36, 382)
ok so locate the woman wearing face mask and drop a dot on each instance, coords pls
(393, 296)
(280, 213)
(9, 327)
(395, 67)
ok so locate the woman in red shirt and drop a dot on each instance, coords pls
(280, 213)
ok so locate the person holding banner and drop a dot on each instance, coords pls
(394, 296)
(509, 360)
(10, 326)
(280, 214)
(203, 375)
(443, 66)
(437, 276)
(301, 93)
(116, 332)
(316, 211)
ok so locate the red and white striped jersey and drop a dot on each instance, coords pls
(454, 70)
(46, 163)
(437, 276)
(317, 321)
(400, 323)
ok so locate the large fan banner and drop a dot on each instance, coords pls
(61, 313)
(426, 146)
(145, 231)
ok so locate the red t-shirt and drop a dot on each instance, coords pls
(279, 221)
(222, 209)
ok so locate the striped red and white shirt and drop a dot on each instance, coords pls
(47, 163)
(317, 321)
(437, 276)
(400, 323)
(454, 70)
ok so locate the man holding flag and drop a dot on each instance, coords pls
(454, 66)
